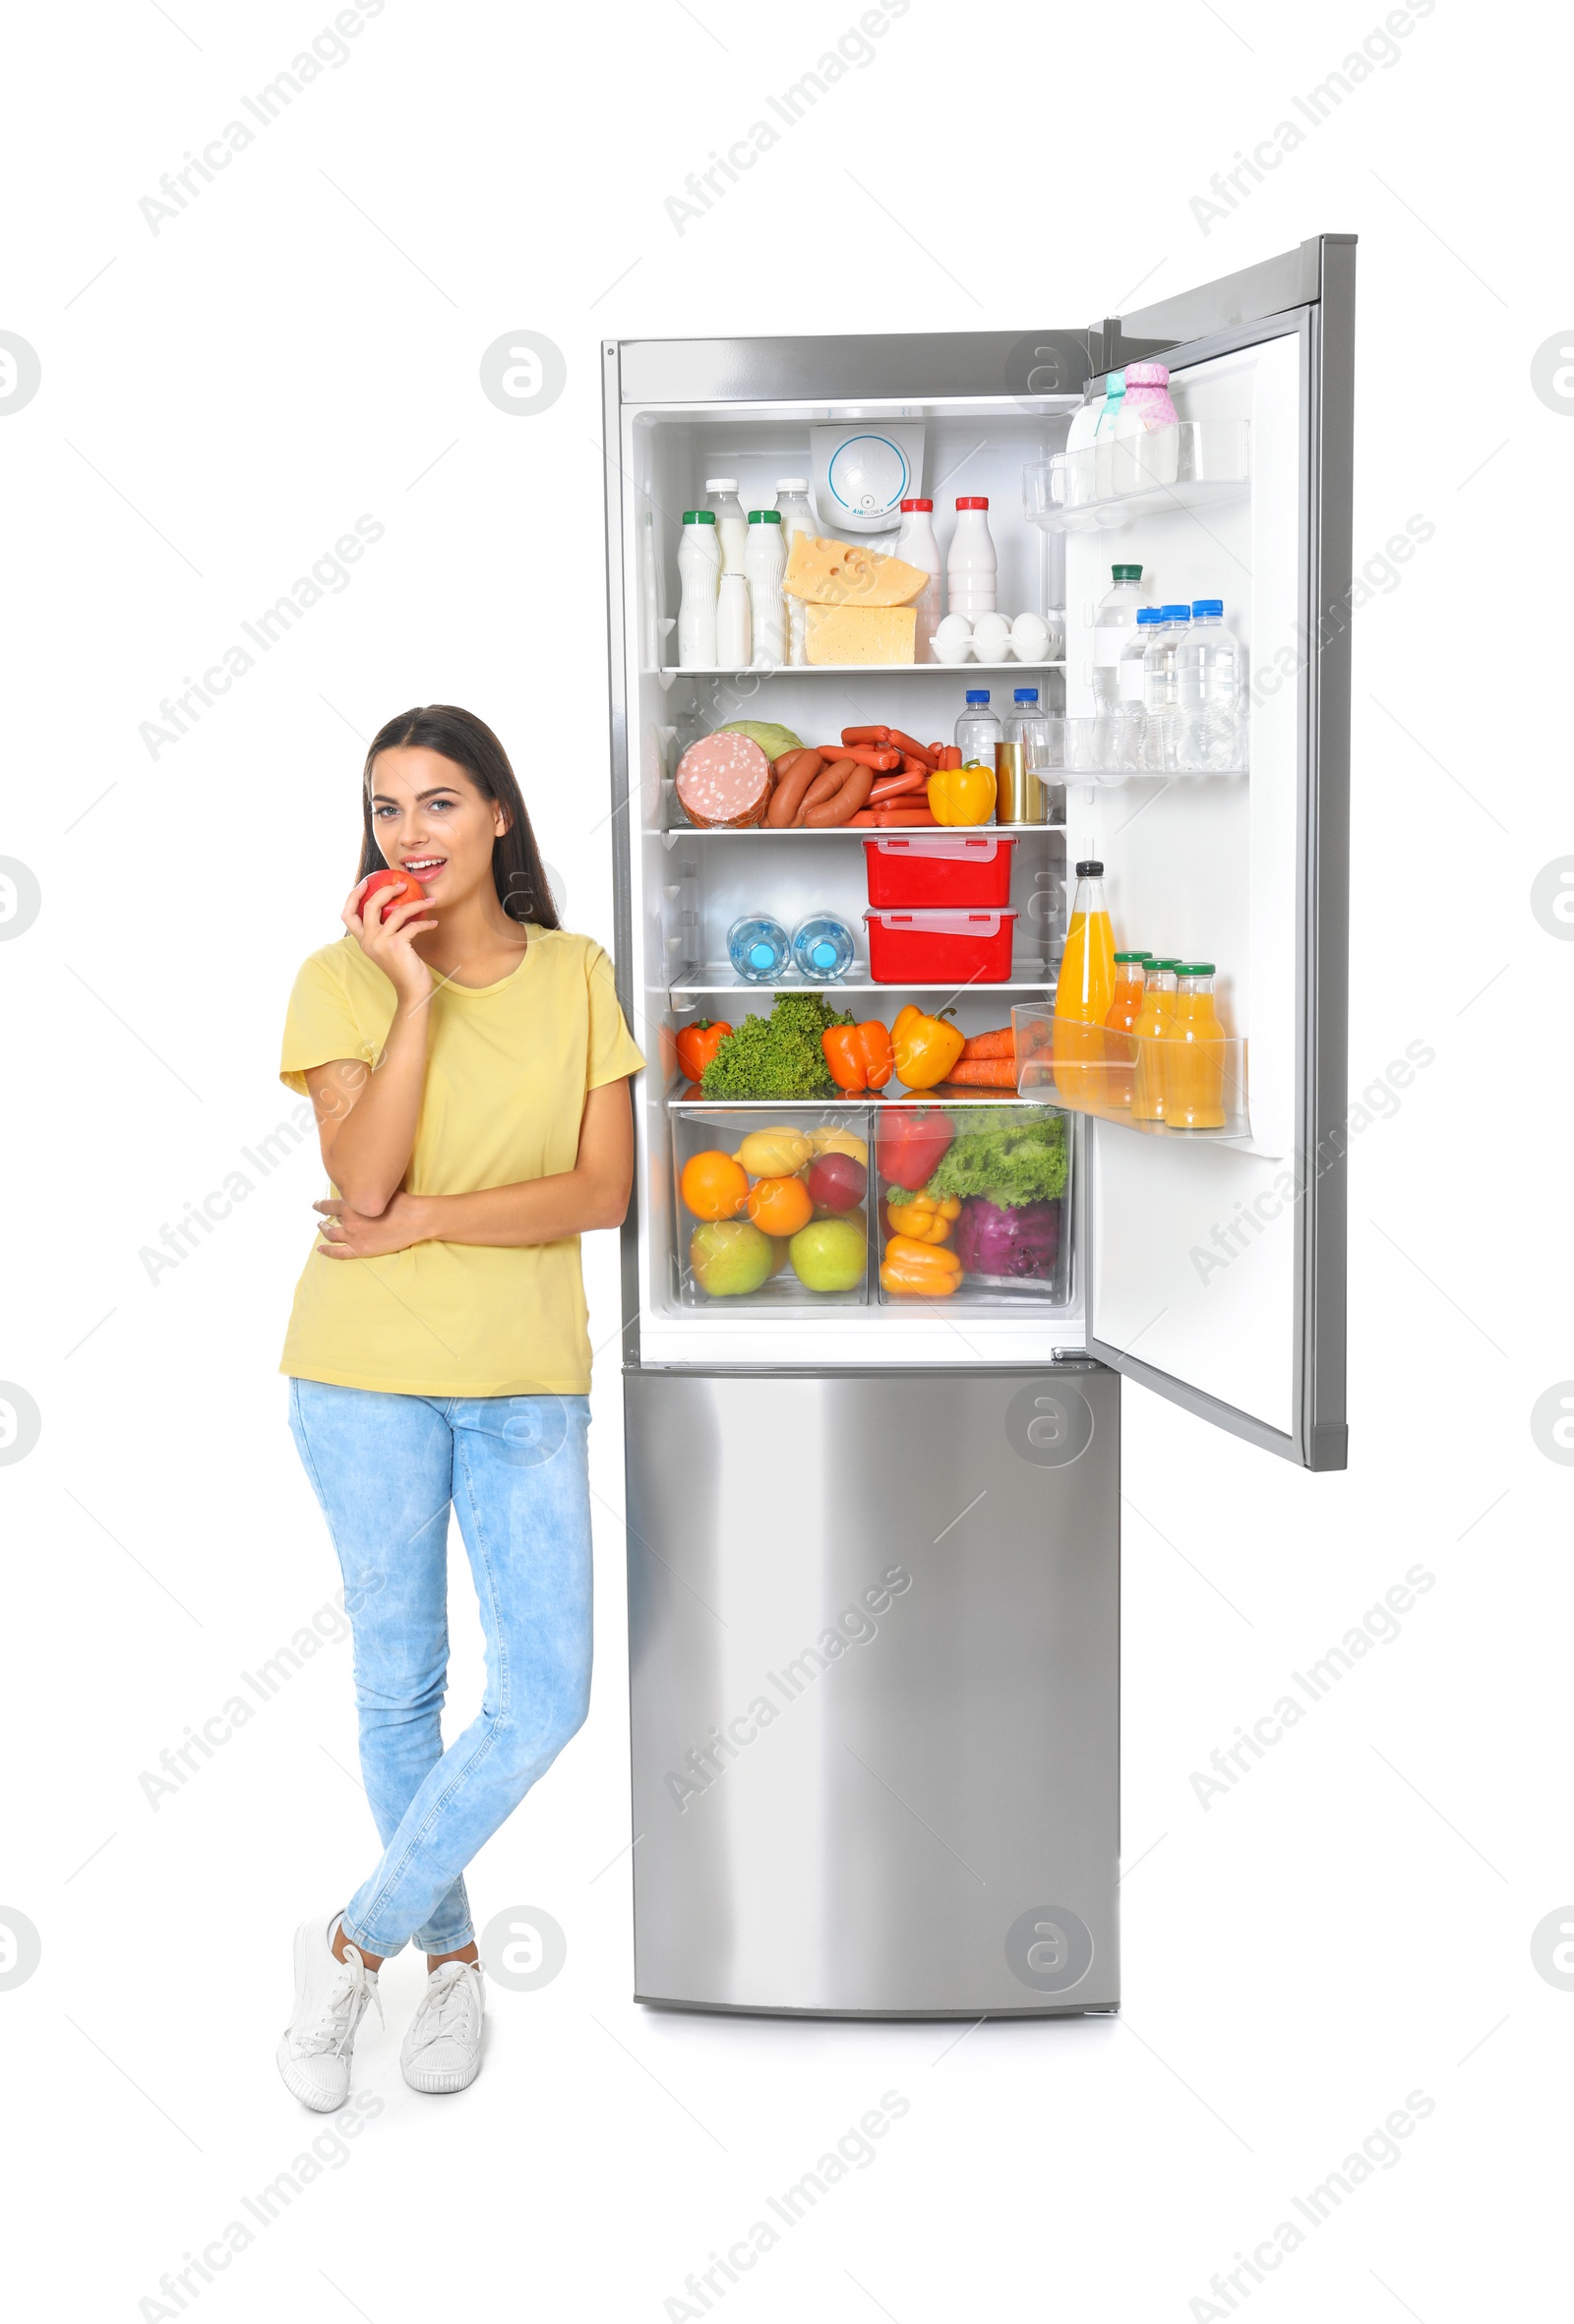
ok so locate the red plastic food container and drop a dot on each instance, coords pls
(939, 947)
(955, 868)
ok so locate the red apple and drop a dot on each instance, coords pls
(400, 889)
(835, 1182)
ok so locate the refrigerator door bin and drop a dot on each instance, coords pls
(1168, 1089)
(927, 868)
(771, 1208)
(1198, 464)
(925, 947)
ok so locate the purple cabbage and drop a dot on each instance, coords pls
(1022, 1241)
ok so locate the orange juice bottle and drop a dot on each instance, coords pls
(1121, 1054)
(1194, 1057)
(1084, 991)
(1148, 1092)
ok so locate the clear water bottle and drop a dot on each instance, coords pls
(1161, 689)
(1130, 706)
(758, 948)
(1209, 672)
(978, 729)
(823, 947)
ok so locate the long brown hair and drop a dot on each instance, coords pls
(517, 871)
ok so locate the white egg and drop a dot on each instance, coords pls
(990, 635)
(951, 649)
(954, 629)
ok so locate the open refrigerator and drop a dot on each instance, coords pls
(874, 1538)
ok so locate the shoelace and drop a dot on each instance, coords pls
(447, 2007)
(342, 2006)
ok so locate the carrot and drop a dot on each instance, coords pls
(991, 1045)
(866, 734)
(988, 1073)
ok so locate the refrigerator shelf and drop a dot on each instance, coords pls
(854, 669)
(837, 831)
(1027, 975)
(1086, 1069)
(687, 1096)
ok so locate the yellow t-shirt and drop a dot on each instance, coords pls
(507, 1069)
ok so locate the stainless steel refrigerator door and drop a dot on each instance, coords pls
(1217, 1277)
(873, 1643)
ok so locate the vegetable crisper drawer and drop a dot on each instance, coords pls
(773, 1213)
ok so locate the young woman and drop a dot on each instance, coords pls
(468, 1063)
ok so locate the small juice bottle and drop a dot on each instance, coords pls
(1153, 1024)
(1083, 991)
(1193, 1055)
(1119, 1052)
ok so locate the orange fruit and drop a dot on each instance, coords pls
(780, 1205)
(713, 1185)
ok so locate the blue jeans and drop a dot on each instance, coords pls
(385, 1469)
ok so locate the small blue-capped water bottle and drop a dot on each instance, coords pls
(758, 947)
(823, 947)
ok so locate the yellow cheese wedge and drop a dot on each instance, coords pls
(859, 633)
(836, 572)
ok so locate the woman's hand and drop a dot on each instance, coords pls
(348, 1234)
(389, 942)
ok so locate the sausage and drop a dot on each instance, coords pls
(898, 787)
(915, 767)
(867, 734)
(826, 785)
(794, 771)
(878, 756)
(841, 808)
(906, 742)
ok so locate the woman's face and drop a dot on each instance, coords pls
(431, 820)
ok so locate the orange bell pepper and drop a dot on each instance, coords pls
(925, 1047)
(859, 1056)
(926, 1269)
(923, 1217)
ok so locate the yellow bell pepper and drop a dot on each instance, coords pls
(924, 1217)
(925, 1047)
(926, 1269)
(962, 795)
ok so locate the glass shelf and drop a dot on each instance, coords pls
(1028, 975)
(1103, 487)
(853, 669)
(687, 1096)
(678, 831)
(1109, 1076)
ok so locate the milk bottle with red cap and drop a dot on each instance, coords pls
(916, 545)
(970, 565)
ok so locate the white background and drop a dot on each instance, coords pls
(1349, 1924)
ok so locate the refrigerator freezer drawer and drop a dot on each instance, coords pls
(874, 1644)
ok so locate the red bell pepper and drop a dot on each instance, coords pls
(697, 1043)
(910, 1143)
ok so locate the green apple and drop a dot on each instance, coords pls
(831, 1254)
(729, 1257)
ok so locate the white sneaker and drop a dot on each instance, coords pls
(443, 2048)
(314, 2048)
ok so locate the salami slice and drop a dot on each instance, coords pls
(724, 782)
